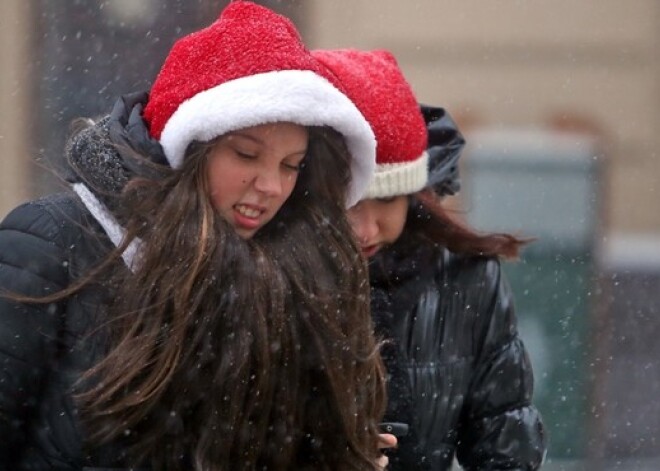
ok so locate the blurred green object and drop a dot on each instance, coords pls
(543, 184)
(552, 303)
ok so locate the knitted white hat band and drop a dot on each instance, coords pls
(399, 178)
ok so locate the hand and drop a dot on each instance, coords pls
(387, 440)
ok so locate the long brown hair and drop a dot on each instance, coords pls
(226, 353)
(427, 217)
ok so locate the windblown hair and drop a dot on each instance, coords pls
(429, 219)
(227, 353)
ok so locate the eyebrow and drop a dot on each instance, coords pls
(246, 136)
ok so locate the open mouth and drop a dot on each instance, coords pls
(247, 216)
(370, 250)
(247, 211)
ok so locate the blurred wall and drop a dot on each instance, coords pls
(15, 91)
(593, 63)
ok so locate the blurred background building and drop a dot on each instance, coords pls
(560, 103)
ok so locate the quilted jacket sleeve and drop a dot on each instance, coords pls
(500, 427)
(31, 263)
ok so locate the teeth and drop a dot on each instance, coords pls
(248, 212)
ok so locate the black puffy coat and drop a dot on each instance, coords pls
(467, 381)
(44, 245)
(44, 348)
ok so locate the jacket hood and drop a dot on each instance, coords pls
(445, 144)
(107, 154)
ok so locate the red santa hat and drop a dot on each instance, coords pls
(377, 86)
(248, 68)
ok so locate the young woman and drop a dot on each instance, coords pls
(459, 373)
(163, 317)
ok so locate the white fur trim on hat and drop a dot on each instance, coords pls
(298, 96)
(399, 178)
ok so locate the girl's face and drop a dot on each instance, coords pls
(378, 222)
(252, 172)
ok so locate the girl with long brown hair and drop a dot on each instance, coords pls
(460, 376)
(199, 302)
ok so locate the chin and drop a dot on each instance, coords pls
(245, 233)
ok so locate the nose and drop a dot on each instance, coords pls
(364, 224)
(269, 182)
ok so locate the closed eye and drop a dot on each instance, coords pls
(294, 167)
(386, 200)
(245, 155)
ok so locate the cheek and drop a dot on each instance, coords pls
(224, 184)
(390, 229)
(216, 196)
(353, 220)
(396, 221)
(223, 191)
(288, 184)
(399, 227)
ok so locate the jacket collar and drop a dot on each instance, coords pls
(400, 261)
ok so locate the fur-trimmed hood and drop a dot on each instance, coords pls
(107, 154)
(104, 156)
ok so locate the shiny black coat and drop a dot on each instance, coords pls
(459, 370)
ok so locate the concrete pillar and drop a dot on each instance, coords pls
(15, 91)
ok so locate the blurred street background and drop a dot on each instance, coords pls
(560, 105)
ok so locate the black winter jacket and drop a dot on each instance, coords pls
(469, 380)
(44, 245)
(44, 348)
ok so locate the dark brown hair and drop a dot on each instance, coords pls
(428, 218)
(226, 353)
